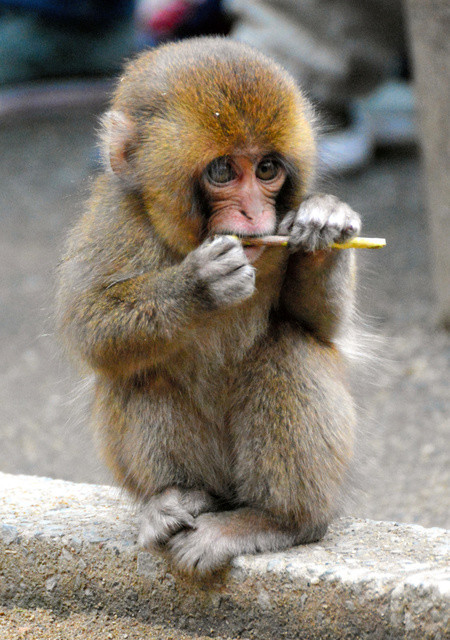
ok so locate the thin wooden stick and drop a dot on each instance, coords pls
(282, 241)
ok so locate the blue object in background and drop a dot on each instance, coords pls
(86, 12)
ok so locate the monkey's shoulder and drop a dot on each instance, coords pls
(115, 233)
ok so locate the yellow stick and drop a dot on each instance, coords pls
(282, 241)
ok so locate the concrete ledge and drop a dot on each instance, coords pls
(71, 547)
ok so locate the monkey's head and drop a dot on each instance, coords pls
(214, 136)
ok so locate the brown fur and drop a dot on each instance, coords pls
(247, 401)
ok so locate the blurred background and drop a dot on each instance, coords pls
(378, 74)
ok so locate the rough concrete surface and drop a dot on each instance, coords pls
(405, 407)
(69, 549)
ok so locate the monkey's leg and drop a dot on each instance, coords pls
(161, 451)
(292, 429)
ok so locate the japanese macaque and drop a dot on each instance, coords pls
(221, 396)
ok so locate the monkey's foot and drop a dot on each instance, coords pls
(203, 549)
(218, 537)
(169, 512)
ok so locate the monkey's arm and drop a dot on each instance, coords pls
(318, 290)
(118, 327)
(120, 324)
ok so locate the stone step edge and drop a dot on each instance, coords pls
(69, 546)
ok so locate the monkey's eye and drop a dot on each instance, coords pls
(268, 169)
(220, 171)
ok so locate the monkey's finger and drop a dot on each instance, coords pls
(219, 244)
(180, 520)
(343, 224)
(286, 224)
(220, 247)
(238, 285)
(214, 265)
(159, 526)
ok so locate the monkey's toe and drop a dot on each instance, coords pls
(155, 531)
(164, 515)
(201, 550)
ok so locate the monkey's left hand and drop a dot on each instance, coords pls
(321, 220)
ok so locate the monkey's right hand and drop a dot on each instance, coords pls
(170, 511)
(222, 271)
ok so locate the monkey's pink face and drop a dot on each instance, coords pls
(242, 192)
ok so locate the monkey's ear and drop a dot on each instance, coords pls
(117, 140)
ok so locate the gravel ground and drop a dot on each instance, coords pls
(405, 403)
(43, 624)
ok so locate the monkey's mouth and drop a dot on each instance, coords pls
(253, 253)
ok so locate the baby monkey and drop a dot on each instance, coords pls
(221, 396)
